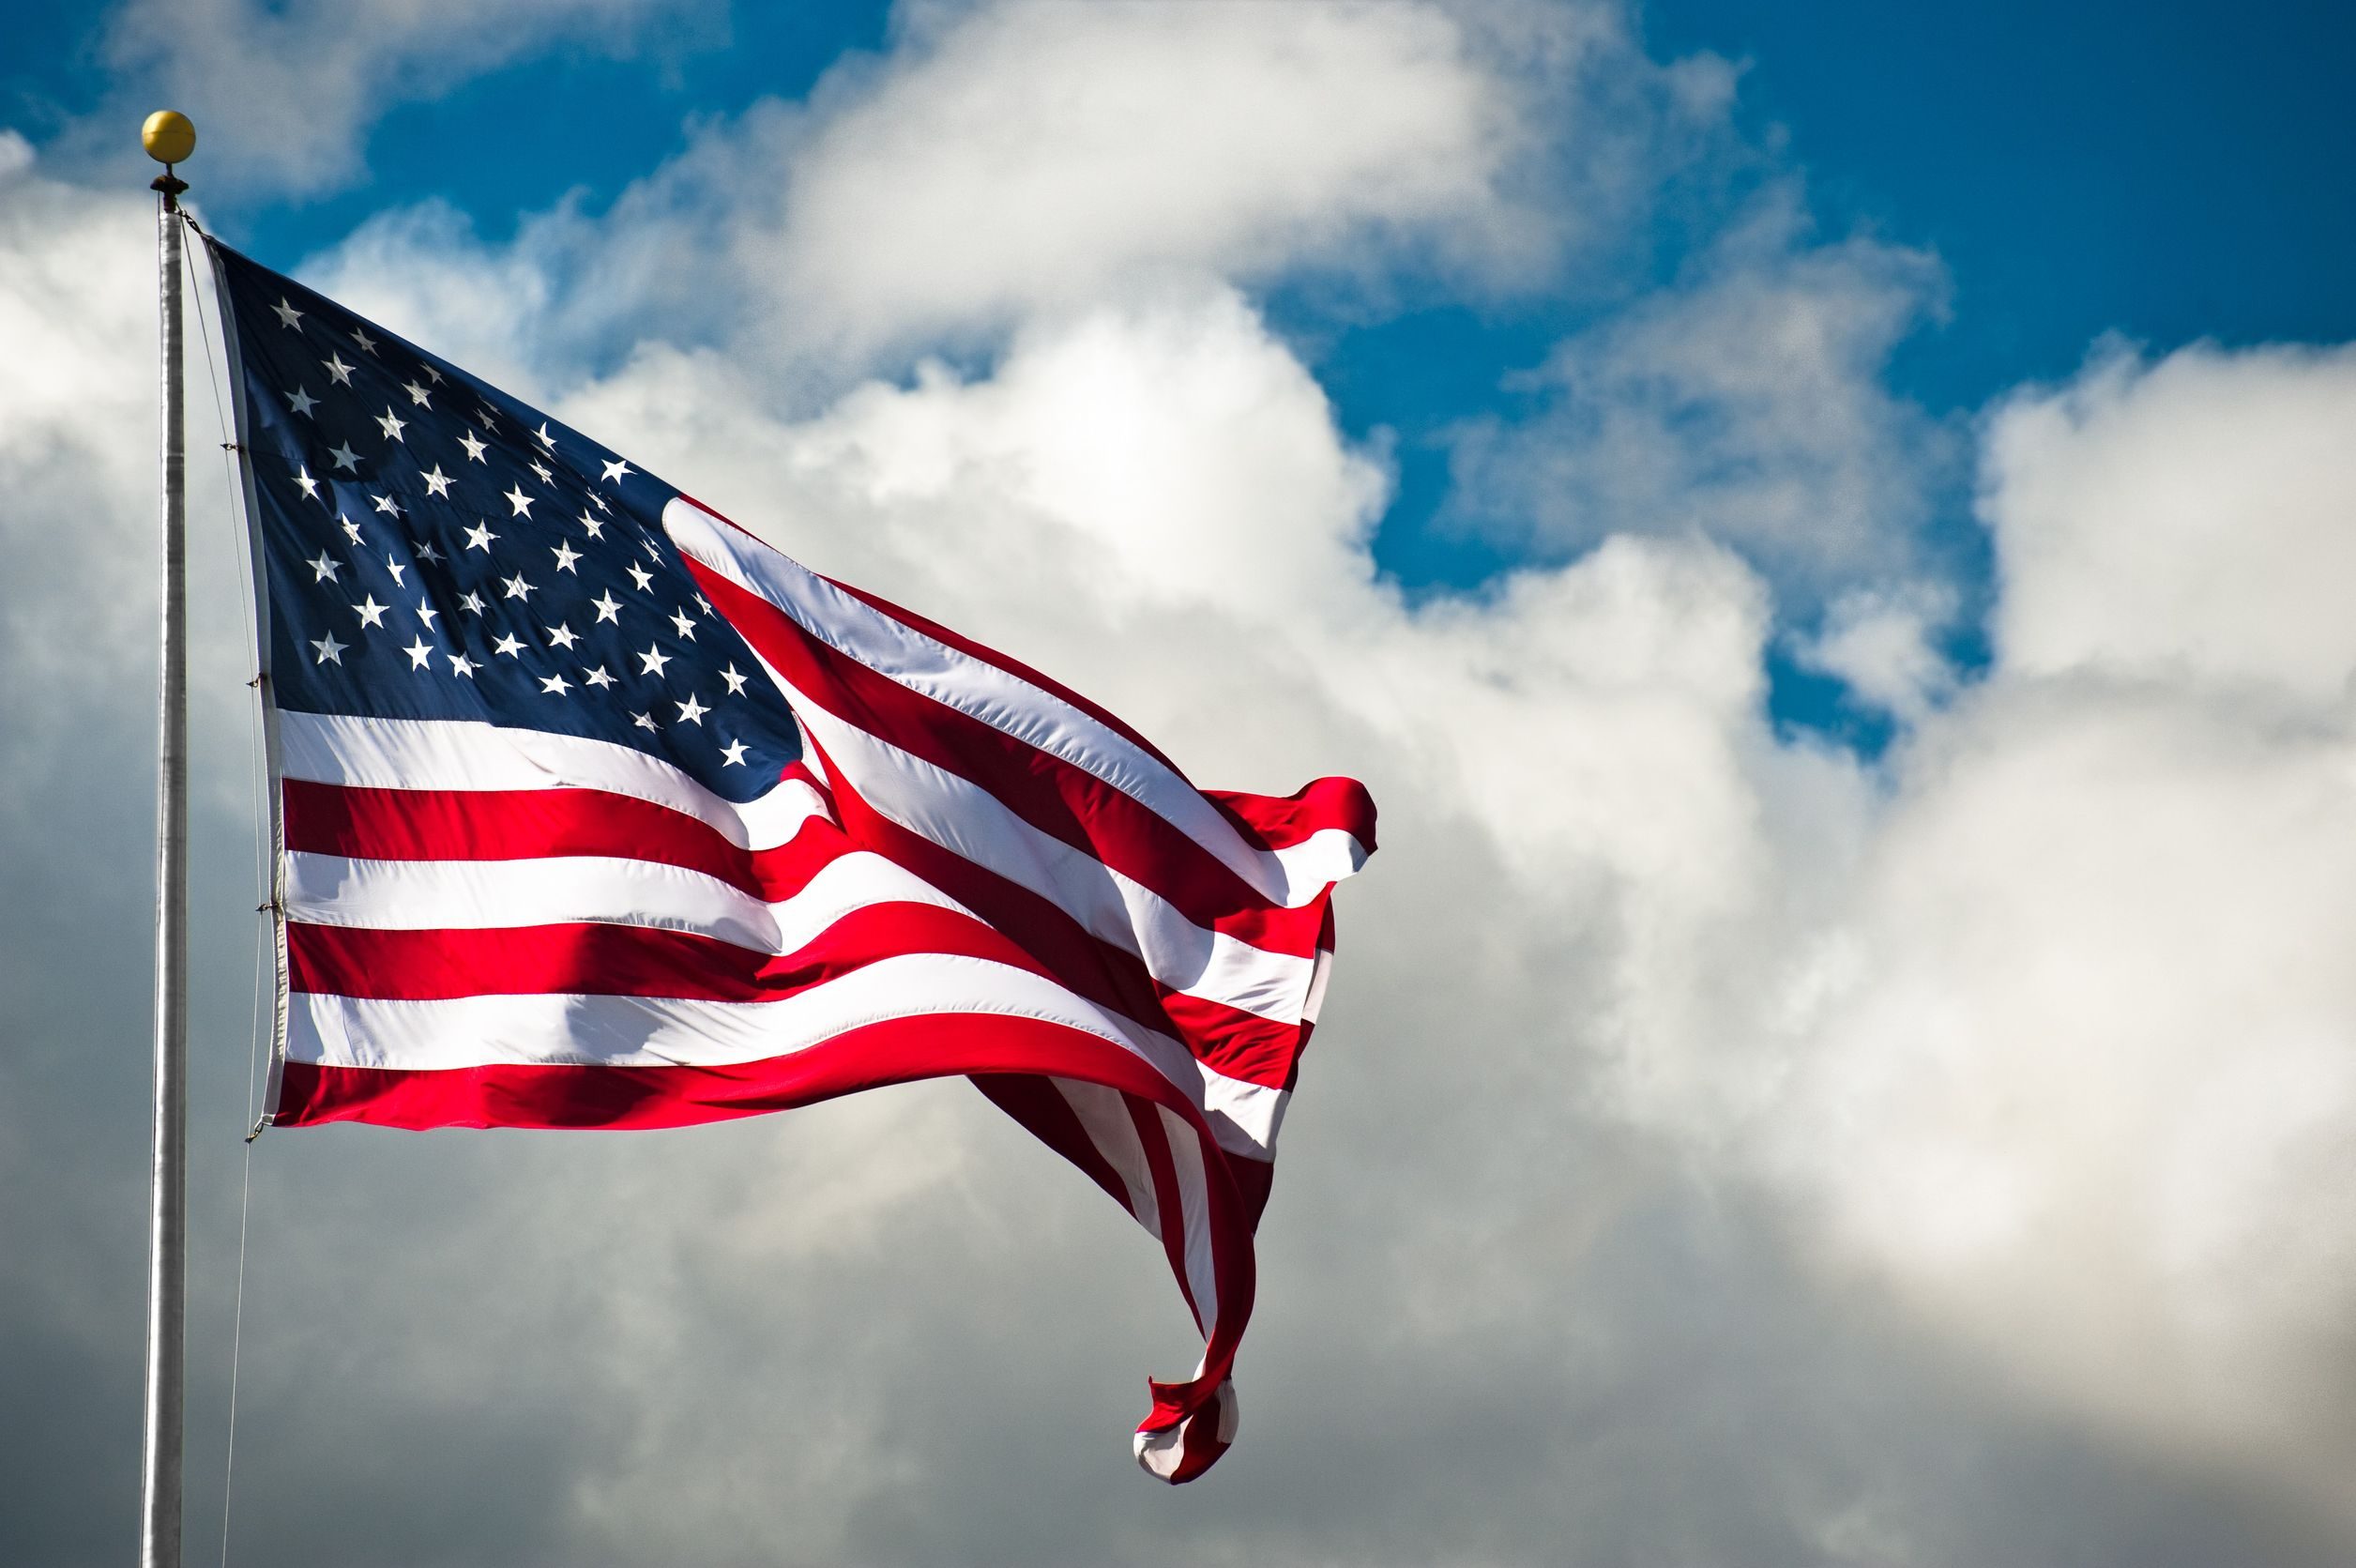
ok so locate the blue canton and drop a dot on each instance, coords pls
(434, 549)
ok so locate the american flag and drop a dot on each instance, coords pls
(595, 811)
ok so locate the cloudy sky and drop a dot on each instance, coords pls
(1830, 533)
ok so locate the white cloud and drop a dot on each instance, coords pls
(1056, 151)
(1746, 403)
(1009, 161)
(284, 95)
(1882, 643)
(2050, 1028)
(2086, 1084)
(2185, 520)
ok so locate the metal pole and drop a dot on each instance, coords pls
(168, 1202)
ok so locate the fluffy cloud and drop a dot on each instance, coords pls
(1005, 163)
(2046, 1027)
(286, 94)
(2082, 1070)
(1746, 403)
(1053, 149)
(2183, 523)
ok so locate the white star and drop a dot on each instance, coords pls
(566, 555)
(337, 370)
(359, 336)
(554, 685)
(518, 588)
(301, 402)
(288, 315)
(643, 721)
(692, 711)
(599, 501)
(431, 374)
(705, 603)
(521, 502)
(460, 664)
(349, 527)
(509, 645)
(392, 424)
(310, 486)
(473, 445)
(591, 525)
(607, 607)
(371, 613)
(395, 566)
(562, 635)
(617, 470)
(480, 536)
(652, 660)
(596, 677)
(426, 612)
(471, 603)
(427, 553)
(545, 439)
(541, 470)
(641, 576)
(418, 652)
(654, 552)
(386, 504)
(733, 753)
(436, 482)
(418, 394)
(490, 420)
(686, 623)
(735, 680)
(330, 651)
(346, 458)
(325, 569)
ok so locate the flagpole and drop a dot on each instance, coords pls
(169, 138)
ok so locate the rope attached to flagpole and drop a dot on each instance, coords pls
(258, 774)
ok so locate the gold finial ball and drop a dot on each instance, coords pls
(168, 136)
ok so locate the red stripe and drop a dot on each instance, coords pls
(1279, 822)
(1162, 1172)
(1021, 671)
(605, 960)
(1043, 1110)
(1235, 1044)
(565, 1095)
(1064, 801)
(532, 824)
(894, 1051)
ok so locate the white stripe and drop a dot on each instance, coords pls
(661, 1031)
(470, 895)
(469, 754)
(1186, 1159)
(1160, 1451)
(1323, 974)
(1103, 1115)
(968, 820)
(1291, 877)
(542, 1027)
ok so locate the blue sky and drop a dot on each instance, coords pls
(1826, 530)
(2162, 173)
